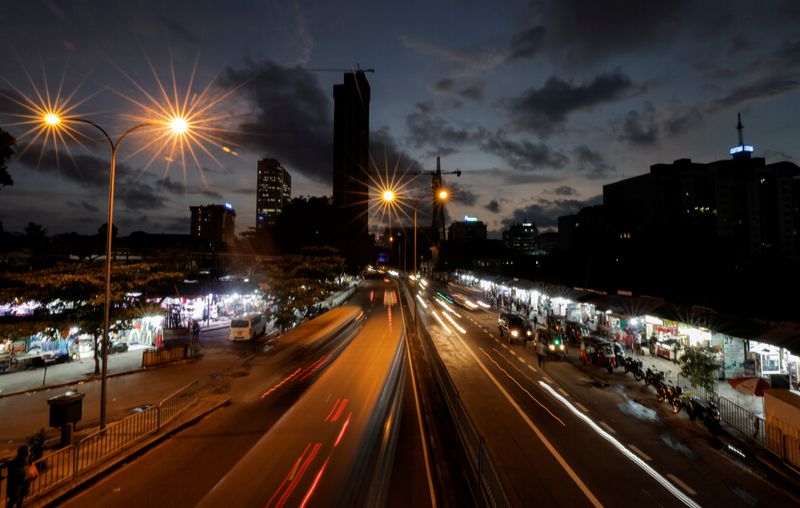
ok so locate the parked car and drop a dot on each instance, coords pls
(115, 347)
(514, 326)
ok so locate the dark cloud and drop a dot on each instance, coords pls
(639, 129)
(524, 155)
(139, 196)
(545, 213)
(765, 88)
(178, 188)
(677, 120)
(543, 110)
(462, 195)
(474, 91)
(385, 152)
(179, 30)
(493, 206)
(527, 43)
(440, 151)
(84, 205)
(776, 155)
(768, 76)
(592, 163)
(565, 190)
(291, 119)
(445, 85)
(432, 130)
(584, 31)
(81, 168)
(429, 129)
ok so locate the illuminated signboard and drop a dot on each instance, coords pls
(527, 224)
(741, 148)
(469, 218)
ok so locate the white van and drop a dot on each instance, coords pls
(247, 327)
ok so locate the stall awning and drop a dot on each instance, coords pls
(786, 335)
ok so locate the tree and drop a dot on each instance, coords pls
(699, 364)
(74, 294)
(6, 142)
(298, 282)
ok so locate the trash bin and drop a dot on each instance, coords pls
(65, 411)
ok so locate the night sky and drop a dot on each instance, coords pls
(539, 103)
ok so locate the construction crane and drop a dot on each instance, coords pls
(437, 188)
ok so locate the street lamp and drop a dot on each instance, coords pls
(177, 126)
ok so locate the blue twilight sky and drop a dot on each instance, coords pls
(540, 103)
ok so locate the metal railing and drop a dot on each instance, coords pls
(114, 438)
(69, 463)
(175, 404)
(476, 451)
(786, 447)
(699, 391)
(741, 419)
(166, 355)
(54, 469)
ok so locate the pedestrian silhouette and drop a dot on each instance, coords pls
(18, 480)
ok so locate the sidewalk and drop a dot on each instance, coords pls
(723, 389)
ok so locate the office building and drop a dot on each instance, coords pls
(274, 190)
(521, 238)
(214, 222)
(468, 230)
(351, 153)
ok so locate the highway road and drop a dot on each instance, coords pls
(562, 436)
(181, 470)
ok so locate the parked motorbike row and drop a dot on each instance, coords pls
(677, 399)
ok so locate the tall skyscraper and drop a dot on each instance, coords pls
(214, 222)
(351, 152)
(274, 192)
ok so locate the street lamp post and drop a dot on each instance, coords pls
(178, 126)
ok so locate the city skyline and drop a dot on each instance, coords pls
(540, 109)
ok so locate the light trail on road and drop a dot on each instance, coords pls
(559, 420)
(675, 491)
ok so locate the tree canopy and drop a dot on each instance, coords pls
(300, 281)
(699, 365)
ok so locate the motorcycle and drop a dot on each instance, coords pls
(634, 365)
(667, 392)
(707, 413)
(653, 376)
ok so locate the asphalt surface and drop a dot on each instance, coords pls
(570, 435)
(181, 470)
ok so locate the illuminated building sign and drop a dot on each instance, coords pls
(469, 218)
(527, 224)
(741, 148)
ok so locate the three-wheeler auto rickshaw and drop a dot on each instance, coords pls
(598, 351)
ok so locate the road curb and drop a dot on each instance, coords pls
(60, 495)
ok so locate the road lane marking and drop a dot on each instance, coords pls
(581, 407)
(647, 468)
(520, 358)
(497, 340)
(421, 428)
(606, 426)
(547, 444)
(512, 352)
(563, 392)
(504, 345)
(682, 485)
(640, 452)
(533, 368)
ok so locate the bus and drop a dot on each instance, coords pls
(247, 327)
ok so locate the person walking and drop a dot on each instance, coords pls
(19, 478)
(541, 352)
